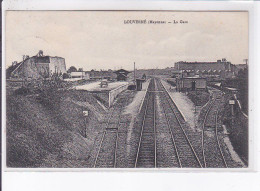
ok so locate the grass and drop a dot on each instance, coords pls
(238, 131)
(42, 127)
(199, 98)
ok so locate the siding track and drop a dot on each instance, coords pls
(106, 156)
(212, 152)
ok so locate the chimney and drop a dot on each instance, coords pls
(40, 53)
(14, 63)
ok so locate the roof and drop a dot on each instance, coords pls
(195, 62)
(193, 77)
(122, 71)
(122, 74)
(77, 73)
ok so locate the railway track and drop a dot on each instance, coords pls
(184, 150)
(107, 151)
(146, 151)
(213, 156)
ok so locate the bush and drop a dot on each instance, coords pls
(22, 91)
(65, 76)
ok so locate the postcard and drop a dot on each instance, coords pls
(126, 89)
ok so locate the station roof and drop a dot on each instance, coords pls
(122, 71)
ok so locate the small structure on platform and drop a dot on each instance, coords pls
(144, 77)
(139, 83)
(121, 74)
(191, 84)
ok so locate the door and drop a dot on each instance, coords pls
(193, 85)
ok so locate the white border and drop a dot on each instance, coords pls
(148, 5)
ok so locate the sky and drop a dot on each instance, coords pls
(100, 39)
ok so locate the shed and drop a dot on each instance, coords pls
(139, 83)
(191, 84)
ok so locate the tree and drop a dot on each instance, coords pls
(72, 69)
(65, 76)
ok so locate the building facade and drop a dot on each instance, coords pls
(37, 67)
(121, 74)
(82, 75)
(104, 74)
(221, 68)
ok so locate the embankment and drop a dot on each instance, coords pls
(48, 129)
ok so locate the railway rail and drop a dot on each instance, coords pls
(186, 155)
(213, 156)
(146, 151)
(106, 156)
(179, 144)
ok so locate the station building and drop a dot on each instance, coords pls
(103, 74)
(121, 74)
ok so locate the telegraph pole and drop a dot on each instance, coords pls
(246, 61)
(134, 74)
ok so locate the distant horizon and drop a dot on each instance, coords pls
(67, 67)
(106, 40)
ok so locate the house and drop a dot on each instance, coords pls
(103, 74)
(121, 74)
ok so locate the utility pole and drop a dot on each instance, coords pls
(134, 74)
(246, 60)
(195, 100)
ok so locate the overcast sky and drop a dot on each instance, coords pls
(101, 40)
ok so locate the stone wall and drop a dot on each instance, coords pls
(113, 93)
(31, 69)
(57, 64)
(39, 67)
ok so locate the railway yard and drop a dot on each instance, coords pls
(157, 136)
(156, 127)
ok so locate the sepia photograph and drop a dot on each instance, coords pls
(126, 89)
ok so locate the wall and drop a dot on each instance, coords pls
(39, 67)
(113, 93)
(30, 68)
(77, 74)
(205, 66)
(87, 76)
(58, 63)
